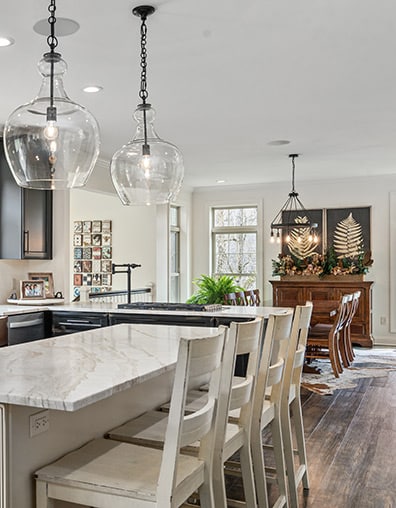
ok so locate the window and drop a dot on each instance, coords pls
(174, 254)
(234, 244)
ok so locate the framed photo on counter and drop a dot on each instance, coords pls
(48, 282)
(32, 289)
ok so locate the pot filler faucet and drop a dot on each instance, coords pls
(127, 268)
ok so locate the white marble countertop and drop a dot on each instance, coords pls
(73, 371)
(9, 310)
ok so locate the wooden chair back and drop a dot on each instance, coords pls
(196, 357)
(230, 299)
(252, 297)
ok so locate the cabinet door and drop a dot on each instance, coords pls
(25, 218)
(37, 224)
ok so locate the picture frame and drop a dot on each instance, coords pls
(316, 216)
(48, 281)
(341, 220)
(32, 289)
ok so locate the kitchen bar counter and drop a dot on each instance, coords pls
(71, 372)
(91, 382)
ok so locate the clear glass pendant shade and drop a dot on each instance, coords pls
(147, 170)
(56, 150)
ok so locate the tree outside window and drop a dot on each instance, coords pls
(234, 244)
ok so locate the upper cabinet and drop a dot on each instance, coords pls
(25, 218)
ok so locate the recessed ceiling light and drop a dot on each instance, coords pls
(92, 88)
(6, 41)
(64, 26)
(278, 142)
(220, 181)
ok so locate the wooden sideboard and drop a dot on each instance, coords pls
(325, 296)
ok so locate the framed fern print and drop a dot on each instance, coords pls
(348, 231)
(300, 243)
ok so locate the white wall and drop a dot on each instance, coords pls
(133, 235)
(369, 191)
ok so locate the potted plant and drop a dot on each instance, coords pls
(213, 289)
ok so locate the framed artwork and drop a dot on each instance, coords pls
(306, 247)
(78, 226)
(86, 240)
(96, 252)
(349, 230)
(48, 280)
(96, 226)
(106, 265)
(32, 289)
(106, 226)
(92, 252)
(87, 226)
(77, 240)
(106, 239)
(87, 253)
(96, 266)
(96, 239)
(86, 266)
(106, 279)
(78, 253)
(77, 266)
(96, 279)
(77, 279)
(106, 252)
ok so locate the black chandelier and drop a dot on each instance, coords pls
(293, 216)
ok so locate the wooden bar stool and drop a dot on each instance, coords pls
(231, 437)
(108, 473)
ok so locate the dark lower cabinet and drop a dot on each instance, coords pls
(66, 322)
(25, 218)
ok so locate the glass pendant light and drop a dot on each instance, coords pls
(293, 217)
(147, 170)
(51, 142)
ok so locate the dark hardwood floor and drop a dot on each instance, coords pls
(351, 447)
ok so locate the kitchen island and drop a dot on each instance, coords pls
(87, 383)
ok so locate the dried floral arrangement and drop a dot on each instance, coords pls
(321, 265)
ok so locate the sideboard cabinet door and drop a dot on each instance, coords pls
(25, 218)
(325, 296)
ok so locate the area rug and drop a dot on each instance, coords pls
(369, 363)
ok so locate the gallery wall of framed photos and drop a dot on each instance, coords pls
(92, 255)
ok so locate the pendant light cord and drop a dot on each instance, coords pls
(52, 42)
(143, 93)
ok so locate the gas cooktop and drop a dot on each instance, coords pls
(171, 306)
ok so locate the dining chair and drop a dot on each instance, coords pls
(252, 297)
(346, 336)
(230, 437)
(327, 344)
(230, 299)
(105, 473)
(291, 411)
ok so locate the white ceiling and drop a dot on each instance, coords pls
(226, 77)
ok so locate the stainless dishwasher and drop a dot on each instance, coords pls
(26, 327)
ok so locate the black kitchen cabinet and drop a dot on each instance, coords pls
(25, 218)
(64, 323)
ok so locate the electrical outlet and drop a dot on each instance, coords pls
(39, 422)
(382, 320)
